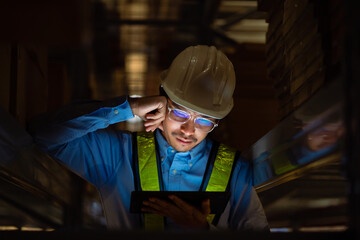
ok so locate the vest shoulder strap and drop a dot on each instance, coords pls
(222, 169)
(148, 174)
(147, 162)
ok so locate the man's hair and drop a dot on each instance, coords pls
(162, 92)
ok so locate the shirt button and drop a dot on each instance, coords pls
(190, 164)
(162, 159)
(116, 111)
(172, 151)
(174, 171)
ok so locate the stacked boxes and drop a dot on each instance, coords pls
(302, 36)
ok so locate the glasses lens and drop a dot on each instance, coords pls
(179, 115)
(204, 124)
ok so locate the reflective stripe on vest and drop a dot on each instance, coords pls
(148, 172)
(149, 177)
(221, 172)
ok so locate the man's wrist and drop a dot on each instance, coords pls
(133, 105)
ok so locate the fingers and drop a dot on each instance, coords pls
(151, 125)
(154, 120)
(201, 213)
(189, 209)
(181, 203)
(155, 117)
(179, 211)
(158, 206)
(194, 217)
(151, 109)
(205, 207)
(144, 105)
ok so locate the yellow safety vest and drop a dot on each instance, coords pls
(146, 172)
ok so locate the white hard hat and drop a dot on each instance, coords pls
(202, 79)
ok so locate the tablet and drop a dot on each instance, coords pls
(218, 200)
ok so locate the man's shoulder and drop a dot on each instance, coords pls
(239, 158)
(225, 146)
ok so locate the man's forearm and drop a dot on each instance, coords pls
(76, 120)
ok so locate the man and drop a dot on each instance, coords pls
(197, 91)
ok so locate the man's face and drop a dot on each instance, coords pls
(182, 136)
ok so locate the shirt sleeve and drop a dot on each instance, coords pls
(78, 119)
(78, 136)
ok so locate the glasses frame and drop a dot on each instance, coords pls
(191, 117)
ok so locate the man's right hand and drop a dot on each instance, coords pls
(151, 109)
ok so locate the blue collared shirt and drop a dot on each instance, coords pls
(85, 143)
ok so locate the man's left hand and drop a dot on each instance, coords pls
(180, 211)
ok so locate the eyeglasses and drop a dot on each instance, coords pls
(181, 116)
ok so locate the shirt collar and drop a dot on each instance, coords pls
(164, 145)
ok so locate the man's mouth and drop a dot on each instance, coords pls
(184, 141)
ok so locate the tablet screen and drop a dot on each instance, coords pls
(218, 200)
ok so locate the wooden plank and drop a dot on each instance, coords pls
(305, 74)
(300, 34)
(274, 45)
(305, 57)
(293, 9)
(283, 87)
(291, 102)
(317, 82)
(300, 45)
(305, 60)
(285, 110)
(311, 87)
(276, 68)
(275, 21)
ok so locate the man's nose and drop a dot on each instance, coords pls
(188, 128)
